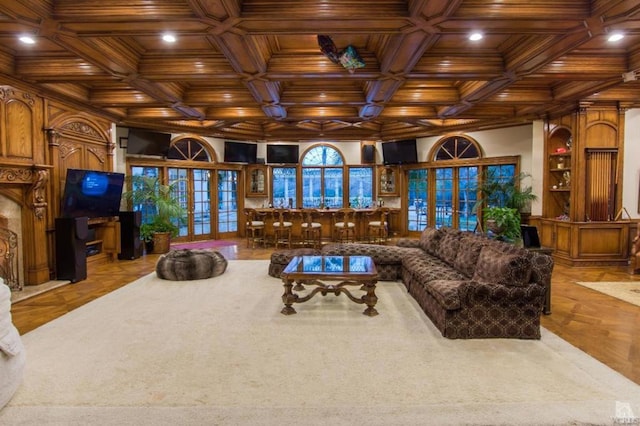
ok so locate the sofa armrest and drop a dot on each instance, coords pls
(475, 292)
(408, 242)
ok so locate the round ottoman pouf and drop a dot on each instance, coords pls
(183, 265)
(281, 258)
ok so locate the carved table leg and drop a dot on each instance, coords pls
(370, 299)
(288, 298)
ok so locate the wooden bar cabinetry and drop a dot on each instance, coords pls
(586, 243)
(583, 152)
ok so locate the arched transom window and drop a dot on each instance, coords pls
(457, 147)
(322, 155)
(188, 149)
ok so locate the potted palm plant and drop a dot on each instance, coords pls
(162, 208)
(504, 202)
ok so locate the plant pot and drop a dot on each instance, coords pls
(148, 247)
(161, 242)
(493, 227)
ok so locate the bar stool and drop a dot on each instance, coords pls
(378, 226)
(311, 231)
(344, 226)
(254, 226)
(281, 227)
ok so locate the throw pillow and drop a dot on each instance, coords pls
(430, 240)
(468, 254)
(448, 248)
(495, 267)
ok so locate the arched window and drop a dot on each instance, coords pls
(322, 177)
(322, 155)
(456, 148)
(188, 149)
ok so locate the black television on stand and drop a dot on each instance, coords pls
(91, 193)
(400, 152)
(240, 152)
(282, 154)
(147, 142)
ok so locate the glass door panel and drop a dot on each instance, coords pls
(147, 211)
(180, 180)
(201, 218)
(417, 213)
(467, 197)
(444, 197)
(227, 201)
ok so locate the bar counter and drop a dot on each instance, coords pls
(326, 217)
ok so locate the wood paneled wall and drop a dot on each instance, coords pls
(39, 140)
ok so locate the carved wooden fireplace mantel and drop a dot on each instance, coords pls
(35, 176)
(26, 185)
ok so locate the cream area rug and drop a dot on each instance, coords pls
(219, 352)
(629, 291)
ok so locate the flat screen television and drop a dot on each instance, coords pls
(400, 152)
(282, 154)
(146, 142)
(240, 152)
(91, 193)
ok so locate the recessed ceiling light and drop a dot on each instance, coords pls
(27, 40)
(616, 37)
(169, 38)
(475, 36)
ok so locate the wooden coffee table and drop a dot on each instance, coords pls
(314, 270)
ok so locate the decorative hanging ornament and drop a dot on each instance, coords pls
(328, 47)
(350, 59)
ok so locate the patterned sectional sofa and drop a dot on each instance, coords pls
(470, 286)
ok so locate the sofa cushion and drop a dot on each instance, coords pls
(446, 292)
(468, 253)
(425, 268)
(448, 247)
(495, 267)
(430, 240)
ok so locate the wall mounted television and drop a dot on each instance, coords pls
(240, 152)
(146, 142)
(282, 154)
(400, 152)
(91, 193)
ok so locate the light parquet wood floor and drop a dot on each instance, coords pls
(604, 327)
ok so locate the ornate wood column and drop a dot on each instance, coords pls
(27, 184)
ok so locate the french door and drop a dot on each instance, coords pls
(194, 190)
(443, 196)
(227, 184)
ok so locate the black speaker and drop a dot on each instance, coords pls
(130, 243)
(72, 235)
(368, 154)
(530, 236)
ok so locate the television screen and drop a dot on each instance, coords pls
(91, 193)
(282, 154)
(400, 152)
(145, 142)
(240, 152)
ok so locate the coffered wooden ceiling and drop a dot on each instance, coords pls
(253, 70)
